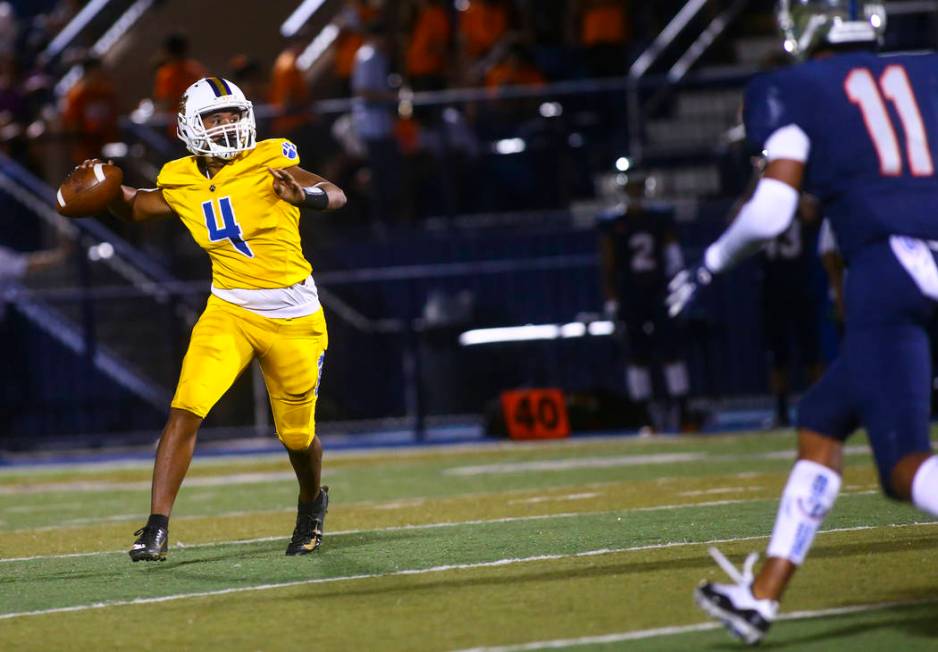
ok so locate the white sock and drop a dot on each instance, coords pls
(639, 382)
(675, 376)
(809, 495)
(925, 486)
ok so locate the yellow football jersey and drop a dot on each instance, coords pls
(251, 235)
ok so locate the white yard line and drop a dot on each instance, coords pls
(558, 498)
(616, 461)
(687, 629)
(444, 524)
(423, 526)
(567, 464)
(561, 464)
(423, 571)
(397, 528)
(393, 505)
(719, 490)
(401, 504)
(377, 452)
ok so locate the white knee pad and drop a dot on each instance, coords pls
(925, 486)
(808, 497)
(639, 382)
(675, 375)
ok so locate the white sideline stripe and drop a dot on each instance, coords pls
(687, 629)
(426, 526)
(418, 571)
(603, 462)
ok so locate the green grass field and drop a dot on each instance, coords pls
(592, 544)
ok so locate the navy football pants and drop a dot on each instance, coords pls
(882, 379)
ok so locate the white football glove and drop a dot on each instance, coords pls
(684, 287)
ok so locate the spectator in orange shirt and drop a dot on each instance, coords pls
(605, 31)
(428, 47)
(90, 111)
(175, 74)
(481, 25)
(515, 69)
(289, 92)
(502, 115)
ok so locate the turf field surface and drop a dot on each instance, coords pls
(587, 544)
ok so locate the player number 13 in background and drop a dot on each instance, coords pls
(894, 86)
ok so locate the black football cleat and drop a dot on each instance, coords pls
(151, 544)
(307, 536)
(745, 616)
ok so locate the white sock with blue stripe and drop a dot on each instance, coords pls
(808, 497)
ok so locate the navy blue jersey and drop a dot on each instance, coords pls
(639, 238)
(873, 125)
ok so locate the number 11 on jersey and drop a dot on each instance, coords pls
(863, 90)
(229, 230)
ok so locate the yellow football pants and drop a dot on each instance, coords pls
(291, 351)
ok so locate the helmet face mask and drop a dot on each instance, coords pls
(811, 24)
(223, 141)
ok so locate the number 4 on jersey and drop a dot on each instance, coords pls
(863, 91)
(229, 230)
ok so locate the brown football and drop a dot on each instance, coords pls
(88, 191)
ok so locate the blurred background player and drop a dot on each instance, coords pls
(639, 252)
(827, 126)
(790, 309)
(240, 201)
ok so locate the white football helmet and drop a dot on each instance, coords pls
(224, 141)
(808, 24)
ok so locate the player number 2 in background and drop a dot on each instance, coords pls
(863, 91)
(229, 230)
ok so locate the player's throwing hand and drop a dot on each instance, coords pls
(286, 187)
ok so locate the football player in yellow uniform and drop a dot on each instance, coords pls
(241, 201)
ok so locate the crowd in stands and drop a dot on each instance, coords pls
(426, 45)
(386, 142)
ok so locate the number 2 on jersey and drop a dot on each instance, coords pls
(863, 91)
(229, 230)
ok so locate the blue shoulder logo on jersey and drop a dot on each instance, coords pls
(289, 150)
